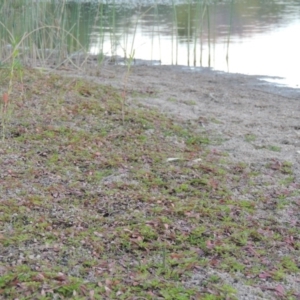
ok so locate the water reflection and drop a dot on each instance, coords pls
(251, 37)
(245, 36)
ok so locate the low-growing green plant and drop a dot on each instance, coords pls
(143, 235)
(214, 279)
(250, 137)
(274, 148)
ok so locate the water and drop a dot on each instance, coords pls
(257, 37)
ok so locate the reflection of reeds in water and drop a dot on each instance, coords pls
(195, 35)
(193, 26)
(40, 31)
(188, 31)
(100, 24)
(229, 33)
(208, 35)
(113, 41)
(59, 29)
(174, 29)
(201, 10)
(157, 28)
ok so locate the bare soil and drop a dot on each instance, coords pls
(100, 207)
(255, 122)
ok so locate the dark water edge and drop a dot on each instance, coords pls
(257, 82)
(238, 36)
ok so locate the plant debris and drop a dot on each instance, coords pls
(96, 207)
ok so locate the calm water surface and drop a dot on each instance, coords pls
(250, 37)
(257, 37)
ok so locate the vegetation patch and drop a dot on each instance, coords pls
(102, 202)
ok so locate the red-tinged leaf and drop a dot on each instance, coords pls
(175, 255)
(14, 282)
(56, 248)
(293, 222)
(39, 277)
(60, 277)
(279, 290)
(5, 101)
(115, 282)
(83, 290)
(218, 243)
(213, 183)
(55, 194)
(107, 282)
(188, 214)
(139, 239)
(214, 262)
(190, 266)
(264, 275)
(290, 240)
(209, 244)
(150, 222)
(5, 98)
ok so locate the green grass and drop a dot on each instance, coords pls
(274, 148)
(91, 206)
(250, 137)
(52, 33)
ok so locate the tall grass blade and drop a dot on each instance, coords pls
(229, 33)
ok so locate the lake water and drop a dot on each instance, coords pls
(256, 37)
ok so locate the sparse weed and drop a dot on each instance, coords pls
(107, 214)
(274, 148)
(250, 137)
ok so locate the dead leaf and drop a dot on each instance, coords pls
(39, 277)
(5, 102)
(60, 277)
(107, 290)
(175, 255)
(264, 275)
(209, 244)
(279, 290)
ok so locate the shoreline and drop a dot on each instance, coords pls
(234, 106)
(215, 186)
(255, 123)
